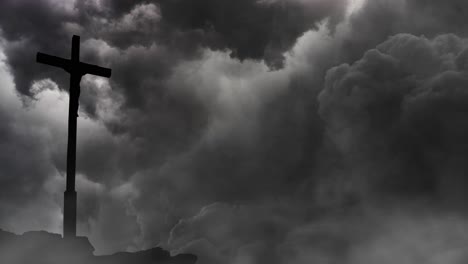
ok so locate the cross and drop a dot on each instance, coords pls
(76, 69)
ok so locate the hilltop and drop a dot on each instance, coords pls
(41, 247)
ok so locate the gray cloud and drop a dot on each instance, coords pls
(385, 111)
(250, 29)
(234, 135)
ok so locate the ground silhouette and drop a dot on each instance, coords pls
(40, 247)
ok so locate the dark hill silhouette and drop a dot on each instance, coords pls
(40, 247)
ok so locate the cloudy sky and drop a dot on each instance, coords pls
(247, 131)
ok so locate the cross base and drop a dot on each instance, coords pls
(69, 214)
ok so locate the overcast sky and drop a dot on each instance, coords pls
(247, 131)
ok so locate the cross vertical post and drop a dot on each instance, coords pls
(76, 69)
(69, 202)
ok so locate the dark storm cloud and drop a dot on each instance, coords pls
(147, 40)
(401, 108)
(32, 26)
(379, 19)
(160, 121)
(216, 154)
(250, 29)
(435, 17)
(394, 129)
(254, 119)
(180, 158)
(376, 148)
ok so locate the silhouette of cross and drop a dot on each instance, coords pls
(76, 69)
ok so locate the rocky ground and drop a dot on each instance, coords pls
(46, 248)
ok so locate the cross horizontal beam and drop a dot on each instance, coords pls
(86, 68)
(68, 65)
(54, 61)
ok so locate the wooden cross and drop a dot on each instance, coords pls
(76, 69)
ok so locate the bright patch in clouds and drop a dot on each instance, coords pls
(354, 5)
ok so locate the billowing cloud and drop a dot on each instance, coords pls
(400, 108)
(288, 131)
